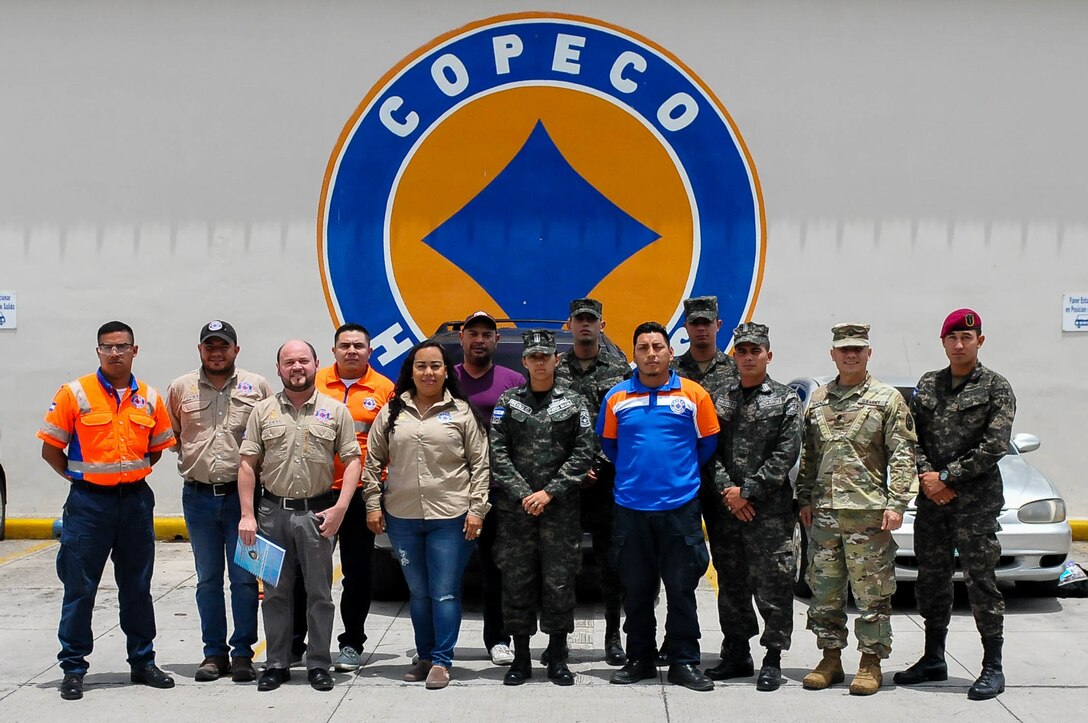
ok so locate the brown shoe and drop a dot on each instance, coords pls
(419, 672)
(438, 678)
(869, 678)
(212, 668)
(827, 672)
(241, 670)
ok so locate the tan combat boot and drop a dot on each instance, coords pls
(827, 672)
(869, 677)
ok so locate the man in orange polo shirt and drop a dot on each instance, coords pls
(354, 382)
(102, 434)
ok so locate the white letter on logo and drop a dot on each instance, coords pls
(671, 122)
(506, 47)
(567, 52)
(679, 341)
(626, 59)
(450, 86)
(390, 104)
(388, 340)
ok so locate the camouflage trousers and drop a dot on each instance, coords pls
(847, 547)
(939, 532)
(539, 558)
(754, 559)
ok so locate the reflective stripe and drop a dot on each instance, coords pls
(361, 427)
(51, 430)
(160, 438)
(81, 396)
(152, 401)
(127, 465)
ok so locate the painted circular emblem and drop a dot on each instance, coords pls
(526, 160)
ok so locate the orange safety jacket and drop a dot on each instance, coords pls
(109, 442)
(364, 399)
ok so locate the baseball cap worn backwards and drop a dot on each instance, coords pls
(962, 320)
(701, 307)
(586, 306)
(218, 330)
(538, 341)
(752, 333)
(849, 335)
(480, 317)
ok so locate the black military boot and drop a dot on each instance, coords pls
(736, 662)
(522, 667)
(930, 666)
(991, 682)
(558, 672)
(770, 675)
(613, 644)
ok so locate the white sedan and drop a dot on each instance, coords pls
(1035, 536)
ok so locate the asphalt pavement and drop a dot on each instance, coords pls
(1046, 655)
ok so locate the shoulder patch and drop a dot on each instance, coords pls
(497, 414)
(583, 419)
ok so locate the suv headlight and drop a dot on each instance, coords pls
(1042, 512)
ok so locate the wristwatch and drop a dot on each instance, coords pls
(943, 476)
(745, 493)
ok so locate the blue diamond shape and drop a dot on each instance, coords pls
(539, 234)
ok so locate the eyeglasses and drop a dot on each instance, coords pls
(114, 348)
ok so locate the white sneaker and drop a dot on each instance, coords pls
(501, 654)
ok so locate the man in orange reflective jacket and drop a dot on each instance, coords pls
(102, 433)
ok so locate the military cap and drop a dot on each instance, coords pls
(538, 341)
(962, 320)
(752, 333)
(218, 330)
(850, 335)
(586, 306)
(701, 307)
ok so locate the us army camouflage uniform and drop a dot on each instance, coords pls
(593, 382)
(758, 444)
(857, 461)
(540, 446)
(964, 430)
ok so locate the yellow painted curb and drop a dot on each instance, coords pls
(43, 528)
(1080, 530)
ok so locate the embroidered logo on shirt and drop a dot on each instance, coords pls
(445, 417)
(497, 414)
(677, 405)
(515, 404)
(559, 405)
(138, 401)
(369, 403)
(323, 414)
(583, 419)
(245, 388)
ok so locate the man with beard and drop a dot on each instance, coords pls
(209, 409)
(590, 370)
(358, 385)
(483, 382)
(292, 440)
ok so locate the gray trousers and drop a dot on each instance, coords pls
(298, 534)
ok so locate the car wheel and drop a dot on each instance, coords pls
(800, 561)
(386, 579)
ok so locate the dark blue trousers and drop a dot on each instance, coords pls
(119, 526)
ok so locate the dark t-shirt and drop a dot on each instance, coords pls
(484, 392)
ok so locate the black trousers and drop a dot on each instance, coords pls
(494, 627)
(655, 548)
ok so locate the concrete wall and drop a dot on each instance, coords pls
(161, 163)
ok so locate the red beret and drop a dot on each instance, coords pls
(961, 320)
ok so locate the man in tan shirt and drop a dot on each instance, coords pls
(293, 439)
(208, 409)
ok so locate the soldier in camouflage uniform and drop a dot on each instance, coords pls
(964, 414)
(591, 371)
(712, 369)
(752, 543)
(541, 446)
(857, 476)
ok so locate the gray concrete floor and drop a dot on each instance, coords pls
(1046, 656)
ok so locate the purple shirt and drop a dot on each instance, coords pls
(484, 392)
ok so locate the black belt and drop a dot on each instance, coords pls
(123, 489)
(219, 490)
(321, 502)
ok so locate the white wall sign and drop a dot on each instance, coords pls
(1075, 312)
(7, 310)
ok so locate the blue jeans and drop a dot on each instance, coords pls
(213, 533)
(97, 526)
(433, 555)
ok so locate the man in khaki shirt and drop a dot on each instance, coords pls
(208, 409)
(293, 439)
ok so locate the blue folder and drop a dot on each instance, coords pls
(264, 559)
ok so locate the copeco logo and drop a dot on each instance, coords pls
(526, 160)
